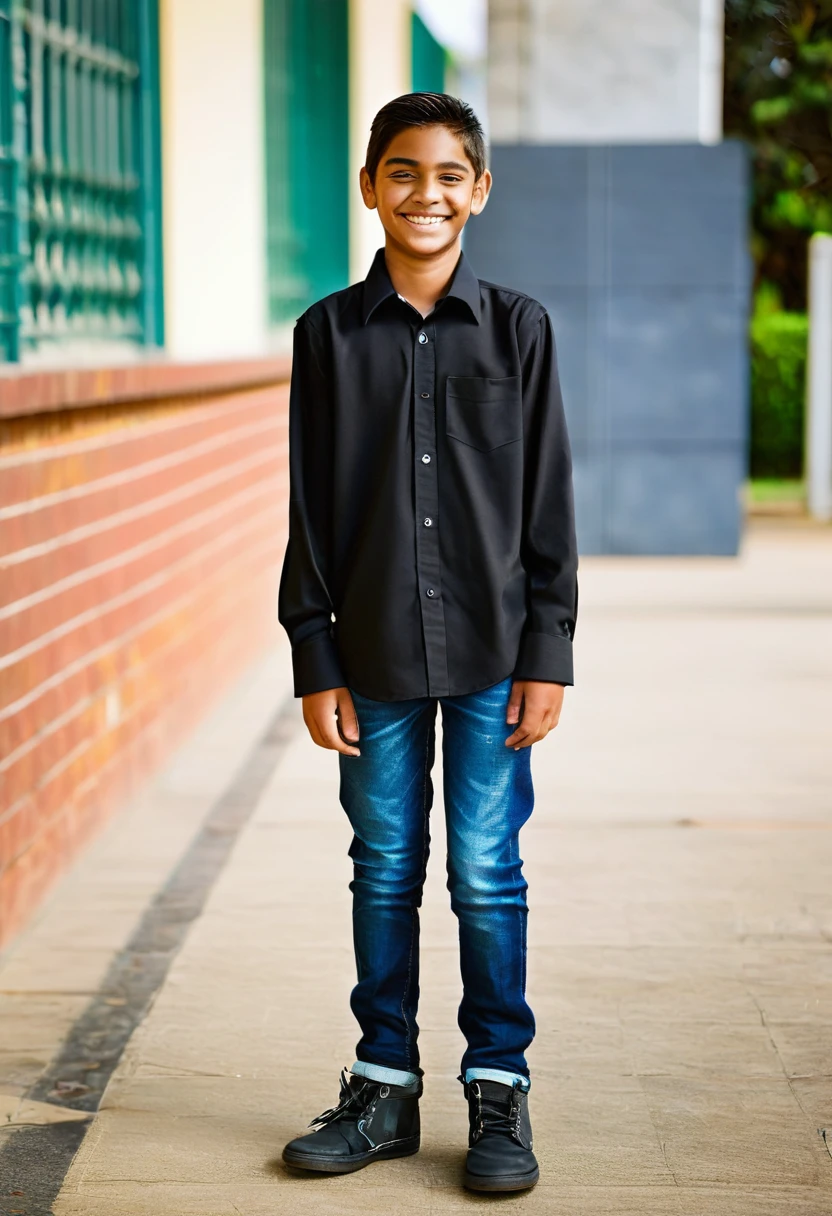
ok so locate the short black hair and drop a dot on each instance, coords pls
(426, 110)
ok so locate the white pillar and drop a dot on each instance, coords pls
(379, 71)
(711, 56)
(213, 177)
(591, 71)
(819, 380)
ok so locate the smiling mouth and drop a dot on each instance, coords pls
(424, 221)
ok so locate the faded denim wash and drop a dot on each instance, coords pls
(387, 794)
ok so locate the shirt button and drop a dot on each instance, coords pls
(426, 459)
(428, 521)
(422, 339)
(425, 396)
(430, 593)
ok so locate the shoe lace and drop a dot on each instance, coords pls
(350, 1103)
(494, 1116)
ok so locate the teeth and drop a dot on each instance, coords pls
(426, 219)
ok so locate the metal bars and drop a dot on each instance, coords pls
(77, 249)
(13, 199)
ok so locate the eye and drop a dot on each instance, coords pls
(401, 175)
(450, 179)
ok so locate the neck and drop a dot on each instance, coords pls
(422, 281)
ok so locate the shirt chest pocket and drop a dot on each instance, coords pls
(483, 413)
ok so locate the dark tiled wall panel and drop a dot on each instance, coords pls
(641, 256)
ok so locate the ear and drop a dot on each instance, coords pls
(482, 189)
(367, 190)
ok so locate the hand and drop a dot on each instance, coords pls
(534, 707)
(322, 712)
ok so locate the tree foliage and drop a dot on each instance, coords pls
(778, 388)
(778, 96)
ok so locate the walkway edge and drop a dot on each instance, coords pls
(35, 1160)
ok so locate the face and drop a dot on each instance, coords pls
(425, 190)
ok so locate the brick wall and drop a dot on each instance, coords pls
(142, 525)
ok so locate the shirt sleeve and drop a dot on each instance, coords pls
(549, 549)
(305, 602)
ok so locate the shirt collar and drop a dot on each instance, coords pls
(465, 286)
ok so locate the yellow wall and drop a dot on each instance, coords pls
(213, 190)
(379, 71)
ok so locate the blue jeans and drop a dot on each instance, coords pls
(387, 793)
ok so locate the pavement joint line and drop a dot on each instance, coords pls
(34, 1160)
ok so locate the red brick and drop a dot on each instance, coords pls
(119, 618)
(75, 479)
(107, 667)
(40, 469)
(168, 650)
(68, 829)
(31, 392)
(191, 525)
(157, 679)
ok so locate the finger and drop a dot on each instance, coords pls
(529, 726)
(348, 718)
(546, 725)
(514, 706)
(329, 732)
(519, 738)
(324, 733)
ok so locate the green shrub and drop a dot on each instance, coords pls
(778, 386)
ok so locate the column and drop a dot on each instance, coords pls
(213, 191)
(819, 380)
(379, 71)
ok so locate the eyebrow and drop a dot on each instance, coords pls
(445, 164)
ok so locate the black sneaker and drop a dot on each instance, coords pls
(372, 1122)
(500, 1156)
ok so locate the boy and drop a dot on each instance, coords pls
(431, 513)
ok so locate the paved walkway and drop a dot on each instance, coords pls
(680, 868)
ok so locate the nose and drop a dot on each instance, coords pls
(427, 193)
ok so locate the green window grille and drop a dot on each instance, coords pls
(80, 223)
(307, 152)
(427, 57)
(10, 200)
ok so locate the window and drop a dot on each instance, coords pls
(307, 152)
(80, 256)
(9, 228)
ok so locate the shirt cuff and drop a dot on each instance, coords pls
(316, 665)
(545, 656)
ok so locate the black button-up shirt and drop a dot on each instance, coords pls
(431, 532)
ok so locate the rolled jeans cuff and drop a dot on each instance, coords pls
(387, 1076)
(497, 1074)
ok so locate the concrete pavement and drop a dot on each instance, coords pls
(680, 869)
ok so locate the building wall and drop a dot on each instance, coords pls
(610, 208)
(582, 71)
(380, 69)
(143, 514)
(80, 217)
(213, 177)
(141, 532)
(640, 256)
